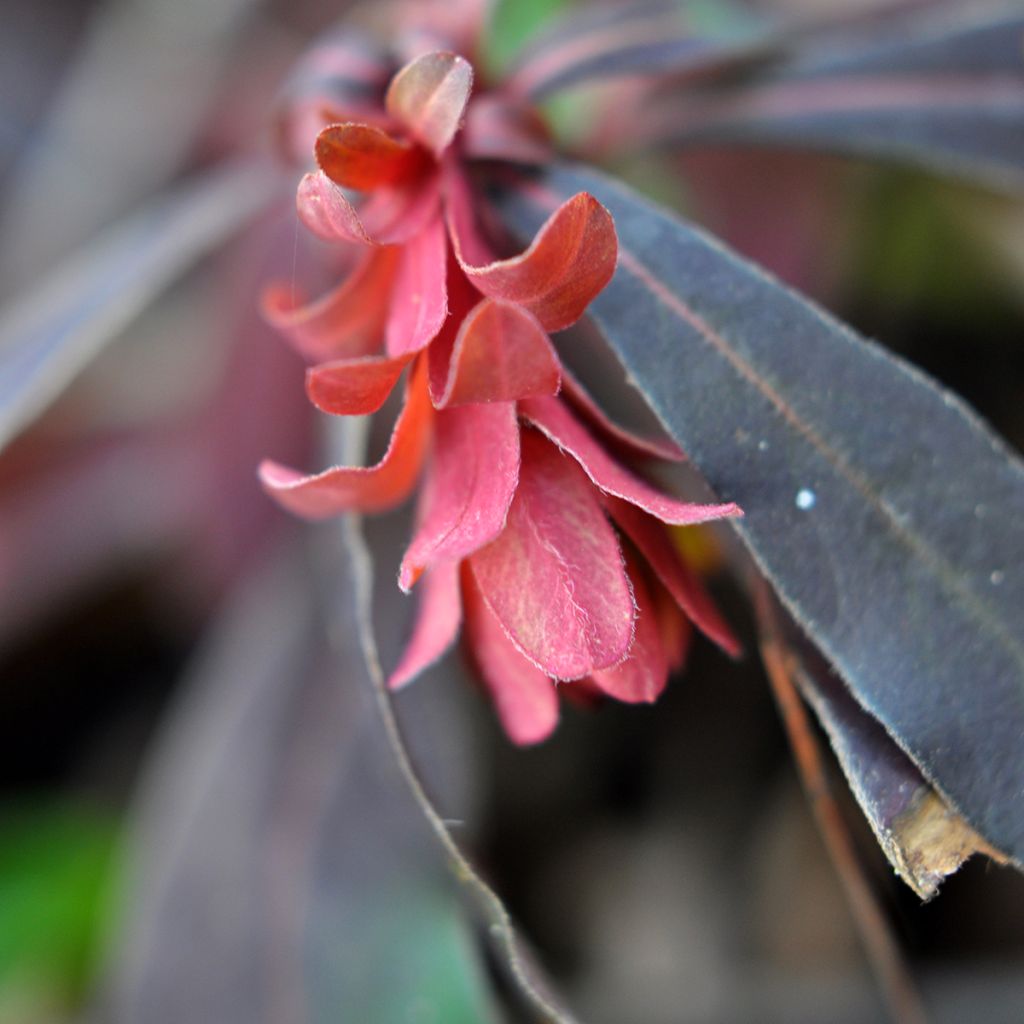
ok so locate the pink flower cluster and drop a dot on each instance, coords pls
(531, 538)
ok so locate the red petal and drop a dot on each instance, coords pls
(419, 302)
(470, 485)
(346, 322)
(643, 675)
(568, 262)
(390, 217)
(554, 419)
(363, 489)
(501, 354)
(618, 437)
(429, 96)
(353, 387)
(554, 577)
(654, 544)
(676, 629)
(524, 697)
(364, 158)
(438, 617)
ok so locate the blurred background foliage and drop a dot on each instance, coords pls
(661, 860)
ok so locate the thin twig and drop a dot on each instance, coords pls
(883, 951)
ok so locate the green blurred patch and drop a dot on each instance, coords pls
(56, 873)
(513, 23)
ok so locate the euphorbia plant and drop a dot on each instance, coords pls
(880, 516)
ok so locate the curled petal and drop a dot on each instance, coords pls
(618, 437)
(419, 301)
(524, 697)
(391, 216)
(429, 96)
(654, 544)
(501, 354)
(554, 578)
(469, 488)
(675, 628)
(353, 387)
(553, 418)
(438, 617)
(643, 675)
(364, 157)
(358, 488)
(346, 322)
(569, 261)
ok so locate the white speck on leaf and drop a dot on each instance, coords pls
(997, 577)
(805, 499)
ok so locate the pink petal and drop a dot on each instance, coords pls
(524, 697)
(554, 577)
(619, 438)
(429, 96)
(469, 486)
(500, 354)
(675, 628)
(353, 387)
(438, 617)
(654, 544)
(569, 261)
(499, 130)
(554, 419)
(363, 489)
(390, 216)
(419, 302)
(363, 157)
(644, 674)
(346, 322)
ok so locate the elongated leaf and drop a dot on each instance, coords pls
(884, 512)
(48, 336)
(923, 838)
(619, 40)
(282, 870)
(947, 96)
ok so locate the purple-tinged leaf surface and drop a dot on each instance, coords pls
(281, 869)
(634, 39)
(945, 95)
(885, 514)
(51, 333)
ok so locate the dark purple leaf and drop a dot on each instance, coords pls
(283, 872)
(886, 515)
(923, 838)
(48, 335)
(945, 95)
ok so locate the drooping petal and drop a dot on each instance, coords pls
(429, 96)
(675, 628)
(419, 301)
(618, 437)
(643, 675)
(569, 261)
(556, 421)
(391, 216)
(353, 387)
(501, 354)
(471, 481)
(555, 577)
(348, 321)
(359, 488)
(363, 157)
(438, 617)
(654, 544)
(524, 697)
